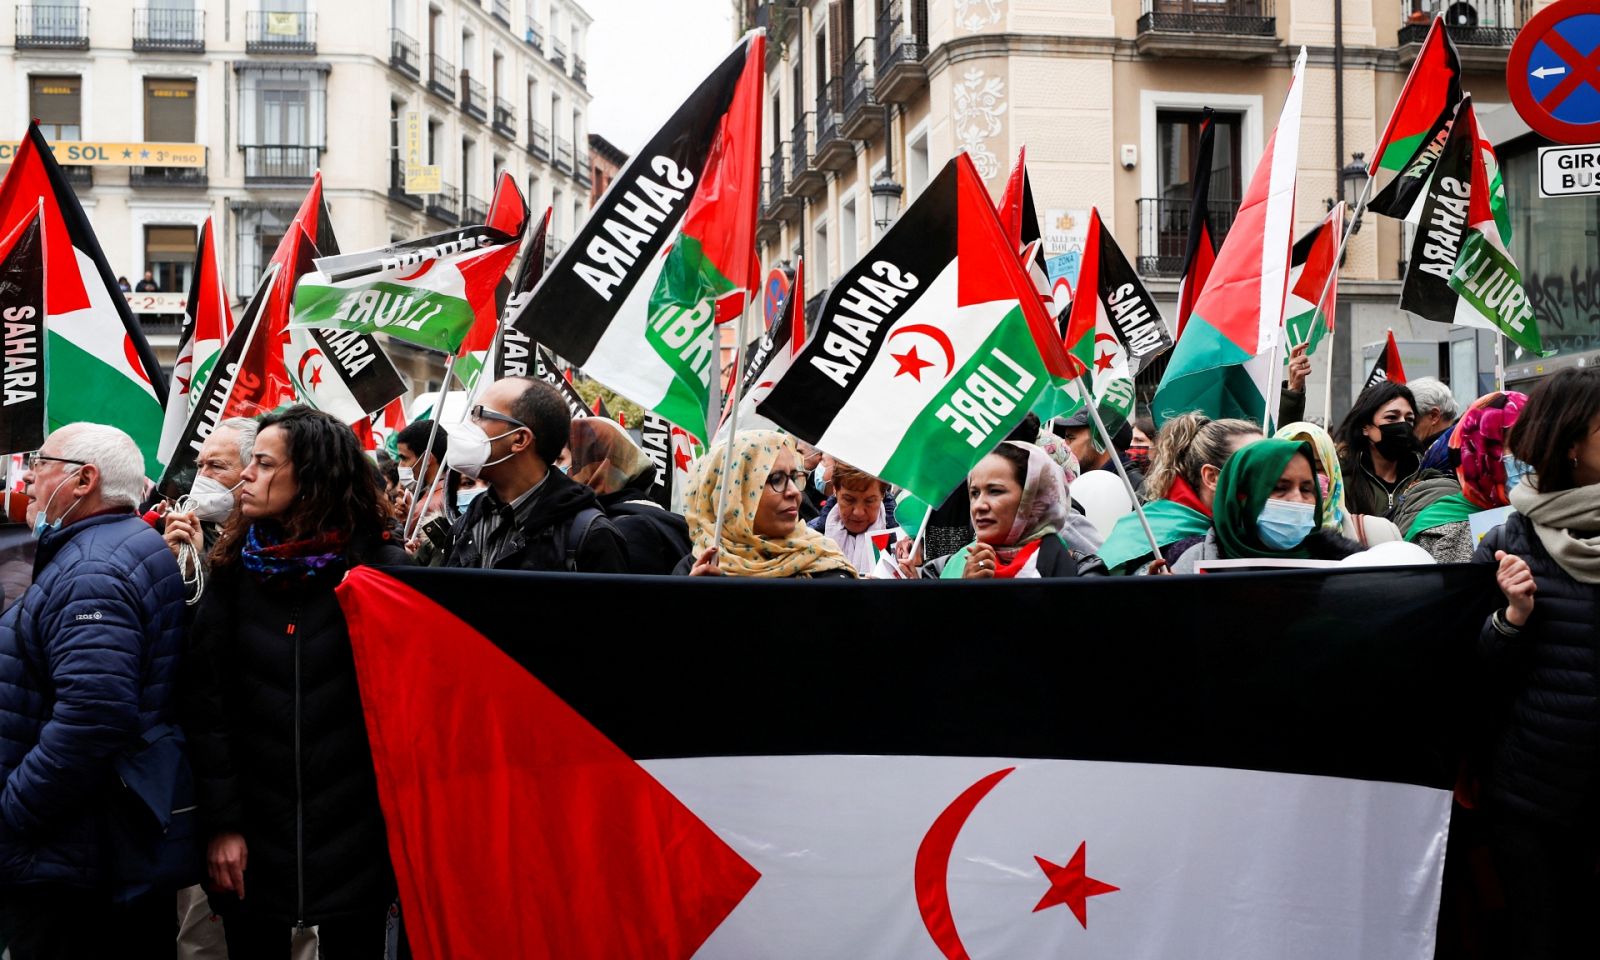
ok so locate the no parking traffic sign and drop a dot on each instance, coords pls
(1553, 73)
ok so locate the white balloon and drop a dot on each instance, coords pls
(1395, 553)
(1103, 498)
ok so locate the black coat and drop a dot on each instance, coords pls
(655, 539)
(1544, 760)
(279, 744)
(541, 543)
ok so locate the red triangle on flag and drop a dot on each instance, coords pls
(500, 804)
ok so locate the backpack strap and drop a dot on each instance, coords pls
(577, 530)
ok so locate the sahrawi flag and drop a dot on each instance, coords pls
(666, 254)
(100, 367)
(1114, 329)
(1387, 368)
(1415, 134)
(513, 356)
(1313, 268)
(508, 213)
(207, 322)
(1222, 365)
(929, 350)
(929, 798)
(22, 294)
(1020, 221)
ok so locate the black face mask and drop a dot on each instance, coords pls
(1397, 440)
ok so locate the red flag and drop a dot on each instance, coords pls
(508, 213)
(1387, 366)
(500, 859)
(1201, 251)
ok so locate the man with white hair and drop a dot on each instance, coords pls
(88, 663)
(1436, 409)
(214, 495)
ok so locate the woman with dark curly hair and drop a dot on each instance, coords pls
(283, 769)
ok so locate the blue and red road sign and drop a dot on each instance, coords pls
(1553, 72)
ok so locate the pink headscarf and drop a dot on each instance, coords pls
(1480, 440)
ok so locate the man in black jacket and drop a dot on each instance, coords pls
(533, 517)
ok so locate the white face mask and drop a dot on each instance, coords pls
(407, 476)
(210, 500)
(468, 451)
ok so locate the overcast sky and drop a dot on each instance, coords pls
(644, 58)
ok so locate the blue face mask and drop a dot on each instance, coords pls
(1515, 471)
(1284, 525)
(41, 526)
(464, 498)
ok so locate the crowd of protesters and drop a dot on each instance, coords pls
(211, 623)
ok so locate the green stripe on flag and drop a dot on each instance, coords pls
(1207, 374)
(83, 388)
(403, 311)
(1401, 150)
(1307, 328)
(1488, 281)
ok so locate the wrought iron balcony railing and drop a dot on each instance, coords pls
(1485, 23)
(280, 163)
(539, 140)
(1164, 232)
(404, 54)
(474, 97)
(158, 29)
(441, 76)
(267, 31)
(52, 27)
(167, 176)
(1233, 17)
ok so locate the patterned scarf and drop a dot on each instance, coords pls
(276, 562)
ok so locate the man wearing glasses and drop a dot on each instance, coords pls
(532, 517)
(88, 662)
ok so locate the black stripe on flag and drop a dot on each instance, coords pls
(22, 311)
(516, 343)
(1132, 311)
(1443, 226)
(1258, 671)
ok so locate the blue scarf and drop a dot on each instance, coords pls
(271, 560)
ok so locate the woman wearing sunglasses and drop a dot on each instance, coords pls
(761, 533)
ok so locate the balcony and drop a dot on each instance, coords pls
(280, 164)
(501, 10)
(397, 185)
(901, 72)
(474, 98)
(505, 118)
(441, 77)
(404, 54)
(539, 140)
(563, 157)
(785, 203)
(444, 206)
(533, 36)
(1483, 31)
(474, 210)
(583, 166)
(558, 54)
(179, 177)
(834, 151)
(1215, 29)
(863, 114)
(52, 27)
(768, 225)
(1164, 232)
(806, 181)
(269, 32)
(159, 30)
(552, 250)
(79, 175)
(779, 18)
(580, 71)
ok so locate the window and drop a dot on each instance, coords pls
(495, 80)
(468, 49)
(169, 110)
(435, 130)
(916, 164)
(282, 107)
(260, 229)
(1178, 136)
(499, 168)
(819, 257)
(169, 254)
(557, 221)
(847, 234)
(468, 155)
(57, 103)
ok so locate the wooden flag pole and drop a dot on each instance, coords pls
(1133, 495)
(733, 417)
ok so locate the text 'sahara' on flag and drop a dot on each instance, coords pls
(667, 253)
(22, 310)
(929, 350)
(99, 360)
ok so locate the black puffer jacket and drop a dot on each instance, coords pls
(656, 539)
(1544, 761)
(279, 744)
(542, 541)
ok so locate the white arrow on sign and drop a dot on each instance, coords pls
(1543, 72)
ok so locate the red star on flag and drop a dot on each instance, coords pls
(911, 363)
(1071, 886)
(1104, 361)
(316, 377)
(681, 458)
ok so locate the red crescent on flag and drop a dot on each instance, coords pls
(933, 866)
(300, 368)
(937, 336)
(131, 352)
(426, 266)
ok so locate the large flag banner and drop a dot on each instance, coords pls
(207, 322)
(1387, 368)
(22, 308)
(1222, 365)
(514, 355)
(1415, 134)
(1115, 328)
(921, 796)
(929, 350)
(1201, 250)
(101, 368)
(667, 253)
(1313, 268)
(342, 373)
(432, 296)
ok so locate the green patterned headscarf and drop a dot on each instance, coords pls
(1244, 488)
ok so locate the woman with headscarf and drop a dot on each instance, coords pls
(1268, 506)
(1362, 528)
(1437, 516)
(762, 535)
(621, 474)
(1023, 520)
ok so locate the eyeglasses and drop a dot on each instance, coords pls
(481, 412)
(776, 481)
(34, 459)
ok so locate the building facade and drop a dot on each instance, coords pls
(1106, 95)
(606, 160)
(277, 89)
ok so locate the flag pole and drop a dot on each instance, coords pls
(1333, 275)
(1499, 362)
(433, 433)
(733, 417)
(1133, 495)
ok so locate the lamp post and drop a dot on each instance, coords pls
(885, 201)
(1352, 179)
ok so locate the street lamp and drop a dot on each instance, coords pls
(1352, 180)
(885, 201)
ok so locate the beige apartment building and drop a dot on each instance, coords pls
(275, 90)
(1106, 96)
